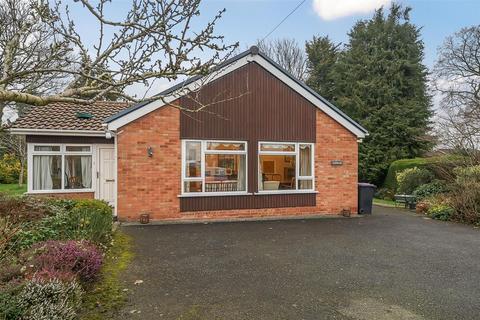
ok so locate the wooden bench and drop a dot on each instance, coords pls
(408, 200)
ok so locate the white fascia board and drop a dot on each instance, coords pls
(310, 97)
(55, 132)
(120, 122)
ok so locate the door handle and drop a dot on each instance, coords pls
(109, 180)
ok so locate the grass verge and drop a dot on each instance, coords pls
(107, 295)
(13, 189)
(383, 202)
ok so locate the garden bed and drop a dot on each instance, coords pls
(59, 259)
(446, 188)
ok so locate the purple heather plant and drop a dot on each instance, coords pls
(62, 257)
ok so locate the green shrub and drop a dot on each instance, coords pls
(90, 220)
(10, 309)
(467, 175)
(10, 169)
(17, 216)
(74, 219)
(431, 189)
(50, 300)
(410, 179)
(48, 228)
(444, 167)
(400, 165)
(441, 212)
(465, 194)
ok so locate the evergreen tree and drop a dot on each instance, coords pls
(380, 81)
(322, 56)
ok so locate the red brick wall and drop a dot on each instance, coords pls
(336, 185)
(149, 184)
(152, 184)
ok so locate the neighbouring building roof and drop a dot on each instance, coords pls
(68, 116)
(251, 55)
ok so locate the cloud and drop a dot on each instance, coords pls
(333, 9)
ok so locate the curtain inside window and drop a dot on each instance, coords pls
(46, 172)
(305, 160)
(86, 163)
(241, 174)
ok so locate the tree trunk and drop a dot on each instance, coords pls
(20, 176)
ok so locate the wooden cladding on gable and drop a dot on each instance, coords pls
(248, 104)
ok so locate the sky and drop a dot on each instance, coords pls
(248, 20)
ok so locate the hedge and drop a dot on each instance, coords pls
(431, 163)
(400, 165)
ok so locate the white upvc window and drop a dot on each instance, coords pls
(211, 167)
(286, 167)
(60, 167)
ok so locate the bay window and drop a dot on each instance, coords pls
(214, 167)
(59, 167)
(285, 167)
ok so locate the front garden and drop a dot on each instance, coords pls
(446, 188)
(59, 259)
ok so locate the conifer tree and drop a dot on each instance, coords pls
(379, 80)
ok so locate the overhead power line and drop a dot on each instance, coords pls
(283, 20)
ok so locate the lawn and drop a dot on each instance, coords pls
(383, 202)
(13, 189)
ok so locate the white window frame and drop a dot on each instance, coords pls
(201, 178)
(295, 153)
(62, 153)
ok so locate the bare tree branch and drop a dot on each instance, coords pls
(457, 79)
(156, 39)
(288, 54)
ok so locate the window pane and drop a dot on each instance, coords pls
(305, 160)
(192, 157)
(277, 172)
(47, 172)
(78, 172)
(225, 172)
(193, 186)
(305, 184)
(277, 147)
(78, 149)
(225, 146)
(46, 148)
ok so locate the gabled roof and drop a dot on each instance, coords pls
(62, 117)
(252, 55)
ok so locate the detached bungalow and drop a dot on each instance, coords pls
(264, 144)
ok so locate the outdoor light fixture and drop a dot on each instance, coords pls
(150, 151)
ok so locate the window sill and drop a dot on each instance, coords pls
(60, 191)
(214, 194)
(262, 193)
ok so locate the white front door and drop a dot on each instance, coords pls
(106, 175)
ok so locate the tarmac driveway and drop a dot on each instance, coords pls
(391, 265)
